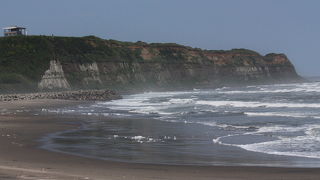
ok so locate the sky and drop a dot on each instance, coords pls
(280, 26)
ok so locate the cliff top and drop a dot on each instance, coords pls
(87, 44)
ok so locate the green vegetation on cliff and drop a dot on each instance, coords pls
(24, 59)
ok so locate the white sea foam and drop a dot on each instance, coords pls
(143, 105)
(270, 91)
(284, 114)
(138, 137)
(224, 126)
(143, 139)
(280, 128)
(255, 104)
(181, 101)
(299, 146)
(278, 88)
(219, 140)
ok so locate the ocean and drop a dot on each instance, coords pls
(264, 125)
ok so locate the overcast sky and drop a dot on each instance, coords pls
(281, 26)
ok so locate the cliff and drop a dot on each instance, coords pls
(44, 62)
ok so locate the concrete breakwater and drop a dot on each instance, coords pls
(84, 95)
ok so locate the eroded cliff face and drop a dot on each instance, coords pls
(54, 77)
(91, 73)
(178, 67)
(91, 62)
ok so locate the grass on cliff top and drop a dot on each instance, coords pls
(86, 49)
(30, 55)
(236, 51)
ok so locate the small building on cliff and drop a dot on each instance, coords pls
(14, 31)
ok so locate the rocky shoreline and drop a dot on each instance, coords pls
(81, 95)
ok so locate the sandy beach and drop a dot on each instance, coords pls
(21, 157)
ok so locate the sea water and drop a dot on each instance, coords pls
(267, 125)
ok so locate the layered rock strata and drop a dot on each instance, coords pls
(54, 77)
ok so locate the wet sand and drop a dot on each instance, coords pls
(21, 157)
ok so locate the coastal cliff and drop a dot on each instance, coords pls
(54, 77)
(46, 63)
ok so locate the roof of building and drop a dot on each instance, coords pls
(13, 27)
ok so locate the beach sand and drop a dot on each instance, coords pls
(21, 157)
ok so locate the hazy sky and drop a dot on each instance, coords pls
(282, 26)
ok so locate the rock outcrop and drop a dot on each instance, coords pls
(54, 77)
(91, 73)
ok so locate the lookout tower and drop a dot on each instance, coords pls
(14, 31)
